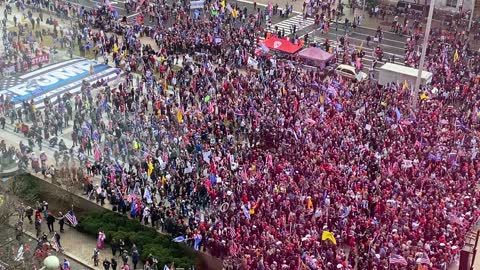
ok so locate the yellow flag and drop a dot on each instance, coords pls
(455, 56)
(234, 13)
(115, 48)
(164, 180)
(321, 99)
(309, 203)
(423, 96)
(179, 116)
(328, 235)
(405, 85)
(224, 3)
(150, 168)
(136, 145)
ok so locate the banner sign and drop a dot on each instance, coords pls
(54, 80)
(197, 4)
(36, 61)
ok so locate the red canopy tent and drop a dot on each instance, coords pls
(282, 45)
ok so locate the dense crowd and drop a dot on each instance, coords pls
(255, 165)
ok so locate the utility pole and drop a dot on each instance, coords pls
(471, 15)
(422, 58)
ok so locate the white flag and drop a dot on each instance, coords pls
(19, 256)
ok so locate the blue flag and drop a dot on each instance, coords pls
(398, 114)
(133, 210)
(179, 239)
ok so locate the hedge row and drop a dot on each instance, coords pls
(147, 240)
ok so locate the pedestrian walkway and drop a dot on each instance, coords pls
(77, 246)
(298, 22)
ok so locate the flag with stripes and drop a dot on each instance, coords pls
(423, 259)
(70, 216)
(20, 253)
(232, 232)
(57, 79)
(233, 250)
(55, 244)
(397, 259)
(455, 219)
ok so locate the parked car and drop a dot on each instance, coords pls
(350, 72)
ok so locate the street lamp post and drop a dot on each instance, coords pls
(471, 15)
(422, 58)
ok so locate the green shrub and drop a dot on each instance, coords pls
(147, 240)
(25, 187)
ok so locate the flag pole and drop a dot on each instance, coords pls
(422, 58)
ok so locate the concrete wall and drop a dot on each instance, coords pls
(59, 198)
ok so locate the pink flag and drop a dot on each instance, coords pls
(96, 153)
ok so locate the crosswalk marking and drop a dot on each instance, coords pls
(298, 20)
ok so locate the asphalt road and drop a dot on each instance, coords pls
(120, 7)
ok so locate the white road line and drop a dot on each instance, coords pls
(296, 20)
(264, 5)
(392, 40)
(133, 15)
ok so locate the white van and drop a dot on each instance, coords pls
(399, 73)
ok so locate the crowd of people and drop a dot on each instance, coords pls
(276, 167)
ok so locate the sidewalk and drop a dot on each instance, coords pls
(77, 246)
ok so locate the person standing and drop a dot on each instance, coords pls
(114, 246)
(101, 240)
(106, 264)
(125, 257)
(114, 264)
(50, 221)
(29, 213)
(56, 238)
(95, 256)
(135, 256)
(66, 264)
(38, 227)
(61, 221)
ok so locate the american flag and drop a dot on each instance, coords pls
(70, 216)
(8, 82)
(55, 244)
(234, 250)
(455, 219)
(424, 259)
(397, 259)
(231, 232)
